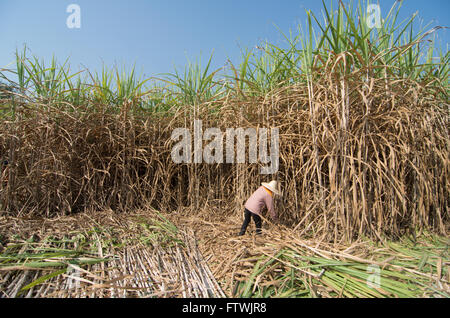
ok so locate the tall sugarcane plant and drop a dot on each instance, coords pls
(340, 40)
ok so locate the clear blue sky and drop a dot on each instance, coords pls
(158, 34)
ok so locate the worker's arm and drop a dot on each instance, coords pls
(270, 207)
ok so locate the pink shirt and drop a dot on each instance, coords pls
(258, 200)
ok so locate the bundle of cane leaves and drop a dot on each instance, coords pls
(50, 257)
(158, 231)
(404, 269)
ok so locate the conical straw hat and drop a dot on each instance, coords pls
(272, 186)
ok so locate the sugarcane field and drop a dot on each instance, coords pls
(316, 165)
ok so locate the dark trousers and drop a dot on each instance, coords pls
(256, 218)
